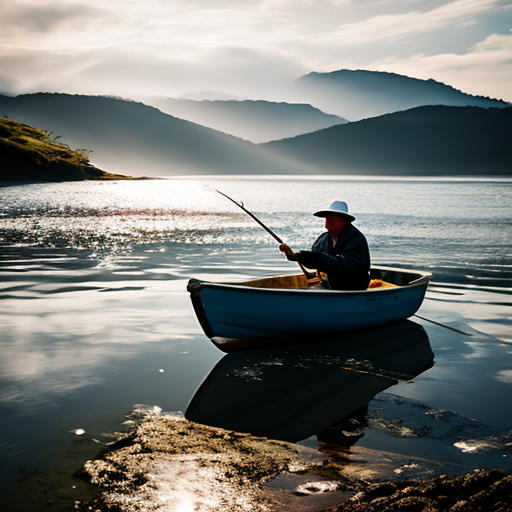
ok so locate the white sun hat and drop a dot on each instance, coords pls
(336, 208)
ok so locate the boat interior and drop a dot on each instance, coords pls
(379, 278)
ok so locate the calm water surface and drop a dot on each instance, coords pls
(95, 318)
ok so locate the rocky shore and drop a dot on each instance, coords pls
(483, 490)
(168, 463)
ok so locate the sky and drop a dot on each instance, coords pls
(248, 48)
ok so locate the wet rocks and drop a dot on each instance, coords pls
(481, 490)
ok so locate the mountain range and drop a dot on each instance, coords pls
(128, 137)
(427, 141)
(256, 121)
(359, 94)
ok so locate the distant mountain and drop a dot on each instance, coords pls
(256, 121)
(132, 138)
(361, 94)
(135, 139)
(28, 154)
(438, 141)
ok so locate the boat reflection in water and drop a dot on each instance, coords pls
(292, 392)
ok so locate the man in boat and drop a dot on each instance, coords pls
(341, 252)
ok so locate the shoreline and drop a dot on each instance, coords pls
(170, 462)
(482, 178)
(476, 179)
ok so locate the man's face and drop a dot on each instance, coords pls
(334, 224)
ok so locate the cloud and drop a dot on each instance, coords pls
(175, 47)
(136, 74)
(414, 22)
(485, 69)
(157, 47)
(30, 19)
(8, 85)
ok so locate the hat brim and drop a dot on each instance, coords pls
(324, 213)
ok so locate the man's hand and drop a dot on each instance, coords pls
(288, 252)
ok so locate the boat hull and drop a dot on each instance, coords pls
(247, 311)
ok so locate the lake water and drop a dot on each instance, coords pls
(95, 318)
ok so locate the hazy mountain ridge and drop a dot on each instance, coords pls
(434, 140)
(128, 137)
(360, 94)
(254, 120)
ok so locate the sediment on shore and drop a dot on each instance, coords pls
(167, 462)
(170, 462)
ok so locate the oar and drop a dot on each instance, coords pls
(267, 229)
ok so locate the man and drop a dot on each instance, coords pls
(342, 252)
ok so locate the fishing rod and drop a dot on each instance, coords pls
(266, 228)
(443, 325)
(241, 205)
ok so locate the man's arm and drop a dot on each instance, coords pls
(354, 258)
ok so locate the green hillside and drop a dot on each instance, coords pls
(28, 154)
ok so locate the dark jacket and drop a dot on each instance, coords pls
(347, 264)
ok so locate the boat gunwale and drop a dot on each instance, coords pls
(423, 280)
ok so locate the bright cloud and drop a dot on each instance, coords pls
(386, 26)
(173, 47)
(485, 70)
